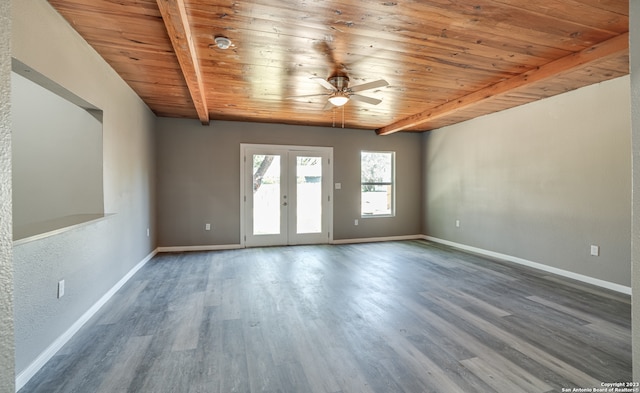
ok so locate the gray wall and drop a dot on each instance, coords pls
(634, 51)
(93, 257)
(57, 156)
(199, 178)
(7, 363)
(541, 182)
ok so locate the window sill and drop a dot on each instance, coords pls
(378, 216)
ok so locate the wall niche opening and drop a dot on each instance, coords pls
(57, 156)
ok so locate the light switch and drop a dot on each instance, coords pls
(60, 289)
(338, 186)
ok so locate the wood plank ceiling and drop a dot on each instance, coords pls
(446, 61)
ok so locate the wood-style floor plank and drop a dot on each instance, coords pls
(122, 373)
(399, 317)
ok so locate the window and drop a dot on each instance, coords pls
(377, 183)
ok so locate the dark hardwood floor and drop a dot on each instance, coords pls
(382, 317)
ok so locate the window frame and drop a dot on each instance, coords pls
(392, 184)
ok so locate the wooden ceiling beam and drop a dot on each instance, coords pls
(601, 51)
(174, 15)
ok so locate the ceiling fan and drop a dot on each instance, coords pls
(340, 93)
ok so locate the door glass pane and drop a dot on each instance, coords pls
(309, 194)
(266, 194)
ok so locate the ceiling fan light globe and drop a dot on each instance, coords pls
(338, 100)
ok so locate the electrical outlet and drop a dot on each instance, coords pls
(355, 222)
(207, 227)
(457, 223)
(147, 232)
(60, 289)
(595, 250)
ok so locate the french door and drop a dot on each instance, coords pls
(286, 195)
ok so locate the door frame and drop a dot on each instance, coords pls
(289, 148)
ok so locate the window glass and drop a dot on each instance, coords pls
(377, 183)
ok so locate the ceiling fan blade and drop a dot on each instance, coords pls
(307, 96)
(324, 83)
(368, 100)
(370, 85)
(324, 48)
(327, 106)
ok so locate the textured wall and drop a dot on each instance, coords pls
(542, 182)
(199, 178)
(634, 52)
(7, 364)
(91, 258)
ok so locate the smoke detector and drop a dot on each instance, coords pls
(222, 42)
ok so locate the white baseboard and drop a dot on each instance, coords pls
(23, 377)
(200, 248)
(377, 239)
(565, 273)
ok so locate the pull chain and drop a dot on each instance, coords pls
(333, 115)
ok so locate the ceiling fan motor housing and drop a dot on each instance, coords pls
(340, 82)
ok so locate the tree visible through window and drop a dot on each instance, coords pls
(377, 183)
